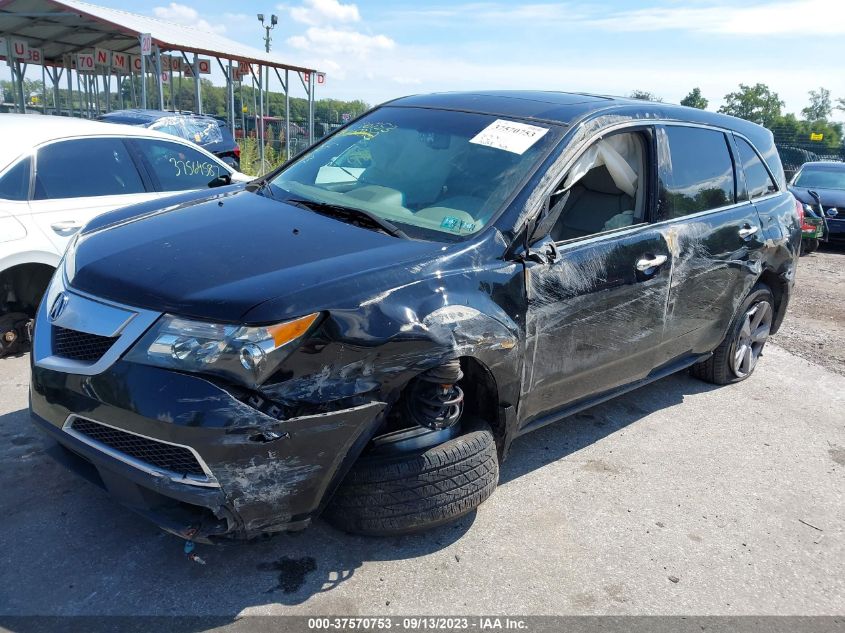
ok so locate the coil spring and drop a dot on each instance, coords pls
(435, 401)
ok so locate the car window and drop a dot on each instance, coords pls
(199, 130)
(85, 167)
(757, 177)
(177, 167)
(14, 185)
(696, 172)
(604, 189)
(827, 177)
(433, 173)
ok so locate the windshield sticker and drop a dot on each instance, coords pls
(509, 135)
(456, 224)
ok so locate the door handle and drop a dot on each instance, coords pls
(66, 227)
(747, 231)
(646, 263)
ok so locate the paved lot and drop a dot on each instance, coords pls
(679, 498)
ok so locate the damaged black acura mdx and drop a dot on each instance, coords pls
(364, 332)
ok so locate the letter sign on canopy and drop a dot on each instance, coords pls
(84, 62)
(146, 43)
(120, 61)
(34, 56)
(176, 64)
(20, 49)
(321, 78)
(204, 66)
(102, 57)
(136, 63)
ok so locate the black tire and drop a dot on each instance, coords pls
(810, 246)
(418, 491)
(718, 368)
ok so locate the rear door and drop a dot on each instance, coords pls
(714, 233)
(175, 166)
(78, 179)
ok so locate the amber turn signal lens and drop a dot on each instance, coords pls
(291, 330)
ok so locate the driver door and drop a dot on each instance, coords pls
(596, 306)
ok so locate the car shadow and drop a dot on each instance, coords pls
(85, 555)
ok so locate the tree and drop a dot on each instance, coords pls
(755, 103)
(644, 95)
(820, 106)
(695, 100)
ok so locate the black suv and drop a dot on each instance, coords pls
(366, 330)
(210, 133)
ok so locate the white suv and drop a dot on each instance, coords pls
(57, 173)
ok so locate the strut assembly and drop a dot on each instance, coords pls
(434, 400)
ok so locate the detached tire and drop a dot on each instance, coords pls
(736, 357)
(418, 491)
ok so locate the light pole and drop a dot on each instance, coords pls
(274, 20)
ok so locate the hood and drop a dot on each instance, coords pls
(216, 256)
(829, 197)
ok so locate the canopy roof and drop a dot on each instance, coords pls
(60, 27)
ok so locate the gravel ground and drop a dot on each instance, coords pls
(679, 498)
(814, 327)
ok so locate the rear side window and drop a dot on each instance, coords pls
(696, 172)
(14, 185)
(757, 177)
(81, 168)
(177, 167)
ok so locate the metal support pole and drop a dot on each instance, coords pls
(144, 81)
(43, 88)
(95, 82)
(21, 95)
(157, 62)
(285, 86)
(79, 90)
(261, 119)
(197, 88)
(107, 88)
(69, 71)
(132, 88)
(312, 83)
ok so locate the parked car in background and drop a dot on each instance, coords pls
(56, 174)
(208, 132)
(820, 187)
(366, 330)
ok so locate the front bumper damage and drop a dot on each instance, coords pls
(261, 474)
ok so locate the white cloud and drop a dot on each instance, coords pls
(318, 12)
(331, 41)
(822, 17)
(186, 16)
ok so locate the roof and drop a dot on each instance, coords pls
(62, 27)
(139, 115)
(825, 165)
(22, 132)
(566, 107)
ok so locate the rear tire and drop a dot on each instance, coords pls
(736, 357)
(809, 246)
(418, 491)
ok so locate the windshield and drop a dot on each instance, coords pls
(431, 173)
(814, 178)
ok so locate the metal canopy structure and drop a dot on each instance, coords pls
(94, 42)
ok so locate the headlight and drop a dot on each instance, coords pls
(244, 354)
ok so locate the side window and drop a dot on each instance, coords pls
(177, 167)
(605, 189)
(757, 177)
(14, 185)
(85, 167)
(696, 172)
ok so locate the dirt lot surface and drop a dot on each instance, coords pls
(814, 327)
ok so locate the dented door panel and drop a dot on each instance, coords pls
(594, 321)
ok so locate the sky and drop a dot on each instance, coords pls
(376, 50)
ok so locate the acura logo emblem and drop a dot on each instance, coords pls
(832, 212)
(58, 306)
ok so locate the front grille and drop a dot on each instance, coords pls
(80, 345)
(176, 459)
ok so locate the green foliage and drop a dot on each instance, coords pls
(645, 96)
(695, 100)
(755, 103)
(820, 106)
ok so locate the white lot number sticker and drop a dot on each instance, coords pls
(509, 136)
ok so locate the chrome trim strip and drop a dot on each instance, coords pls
(209, 482)
(93, 315)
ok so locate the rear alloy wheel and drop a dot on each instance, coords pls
(401, 493)
(737, 355)
(809, 246)
(753, 335)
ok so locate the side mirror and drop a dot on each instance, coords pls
(221, 181)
